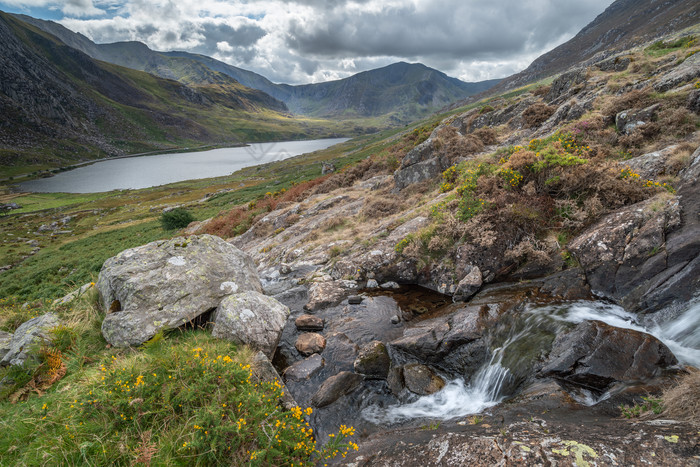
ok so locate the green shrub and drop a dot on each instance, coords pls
(178, 218)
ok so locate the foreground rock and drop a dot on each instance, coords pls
(545, 429)
(165, 284)
(335, 387)
(310, 343)
(31, 333)
(250, 318)
(596, 356)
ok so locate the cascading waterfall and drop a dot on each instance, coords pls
(490, 385)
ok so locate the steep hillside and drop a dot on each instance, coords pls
(623, 24)
(58, 105)
(401, 90)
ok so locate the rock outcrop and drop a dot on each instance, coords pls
(165, 284)
(595, 356)
(30, 334)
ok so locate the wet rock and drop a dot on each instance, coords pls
(335, 387)
(596, 356)
(30, 333)
(355, 299)
(325, 294)
(390, 285)
(264, 371)
(627, 120)
(309, 323)
(304, 369)
(372, 284)
(165, 284)
(309, 343)
(421, 380)
(469, 285)
(373, 361)
(294, 298)
(569, 284)
(250, 318)
(395, 319)
(627, 247)
(452, 343)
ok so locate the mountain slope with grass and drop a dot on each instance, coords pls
(59, 106)
(401, 91)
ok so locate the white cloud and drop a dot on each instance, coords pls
(300, 41)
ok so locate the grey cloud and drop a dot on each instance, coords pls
(243, 36)
(449, 29)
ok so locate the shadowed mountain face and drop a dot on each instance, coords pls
(59, 104)
(403, 90)
(622, 25)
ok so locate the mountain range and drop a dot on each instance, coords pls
(404, 91)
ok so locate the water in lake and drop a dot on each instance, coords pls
(493, 382)
(148, 171)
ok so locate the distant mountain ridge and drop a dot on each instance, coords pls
(407, 91)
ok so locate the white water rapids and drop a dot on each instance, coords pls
(488, 386)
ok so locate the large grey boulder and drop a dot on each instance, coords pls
(251, 318)
(165, 284)
(33, 332)
(596, 356)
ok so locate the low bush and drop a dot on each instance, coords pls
(537, 114)
(177, 218)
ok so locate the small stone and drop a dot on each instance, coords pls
(469, 285)
(372, 284)
(310, 343)
(373, 361)
(335, 387)
(304, 369)
(309, 323)
(421, 380)
(390, 285)
(285, 269)
(395, 319)
(355, 299)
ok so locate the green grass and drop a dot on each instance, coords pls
(660, 48)
(58, 269)
(184, 398)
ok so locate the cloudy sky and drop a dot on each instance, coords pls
(302, 41)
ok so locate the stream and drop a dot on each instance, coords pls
(515, 345)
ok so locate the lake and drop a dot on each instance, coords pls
(148, 171)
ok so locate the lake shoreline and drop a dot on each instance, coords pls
(164, 174)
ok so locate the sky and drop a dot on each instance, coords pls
(309, 41)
